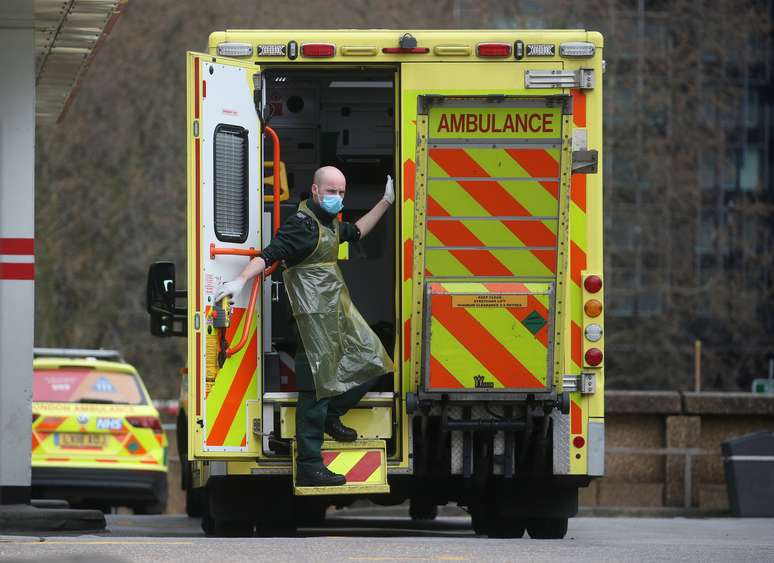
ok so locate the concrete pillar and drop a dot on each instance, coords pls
(17, 231)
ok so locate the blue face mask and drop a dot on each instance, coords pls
(332, 204)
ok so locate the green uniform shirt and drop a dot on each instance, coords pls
(297, 237)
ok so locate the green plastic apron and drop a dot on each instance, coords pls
(342, 350)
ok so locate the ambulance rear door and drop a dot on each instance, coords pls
(224, 231)
(492, 164)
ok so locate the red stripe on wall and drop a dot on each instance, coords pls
(14, 271)
(17, 246)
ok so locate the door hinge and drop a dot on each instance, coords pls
(584, 162)
(586, 383)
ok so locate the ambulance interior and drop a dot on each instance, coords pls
(344, 119)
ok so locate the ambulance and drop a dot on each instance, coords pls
(484, 281)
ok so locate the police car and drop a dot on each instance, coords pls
(96, 437)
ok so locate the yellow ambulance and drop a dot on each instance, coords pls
(97, 440)
(485, 282)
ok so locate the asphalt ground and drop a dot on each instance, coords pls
(382, 538)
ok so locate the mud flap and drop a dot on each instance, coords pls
(363, 462)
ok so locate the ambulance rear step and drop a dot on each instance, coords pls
(364, 463)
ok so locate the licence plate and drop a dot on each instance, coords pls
(82, 440)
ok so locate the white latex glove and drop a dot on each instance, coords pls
(389, 191)
(232, 288)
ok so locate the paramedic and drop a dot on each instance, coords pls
(339, 357)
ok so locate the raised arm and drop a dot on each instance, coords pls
(367, 222)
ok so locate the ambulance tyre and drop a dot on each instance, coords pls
(208, 524)
(498, 528)
(486, 522)
(281, 530)
(422, 509)
(547, 528)
(195, 500)
(226, 516)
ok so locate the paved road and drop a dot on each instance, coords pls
(362, 538)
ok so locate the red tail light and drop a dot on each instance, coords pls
(409, 50)
(579, 441)
(319, 50)
(592, 284)
(145, 422)
(494, 49)
(593, 356)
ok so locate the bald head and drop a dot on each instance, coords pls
(328, 175)
(328, 180)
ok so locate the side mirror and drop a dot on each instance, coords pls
(160, 298)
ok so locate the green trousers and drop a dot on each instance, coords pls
(311, 415)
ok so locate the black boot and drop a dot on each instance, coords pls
(322, 477)
(336, 430)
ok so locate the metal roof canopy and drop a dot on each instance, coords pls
(67, 34)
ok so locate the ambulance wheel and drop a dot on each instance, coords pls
(233, 528)
(310, 514)
(421, 509)
(506, 528)
(195, 500)
(547, 528)
(208, 524)
(486, 522)
(275, 530)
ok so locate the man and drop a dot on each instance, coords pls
(340, 357)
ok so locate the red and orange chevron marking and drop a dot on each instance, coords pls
(357, 466)
(463, 187)
(229, 393)
(472, 347)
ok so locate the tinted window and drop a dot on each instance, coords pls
(80, 385)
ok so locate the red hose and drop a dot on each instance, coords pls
(258, 282)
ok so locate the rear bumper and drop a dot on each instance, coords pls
(116, 485)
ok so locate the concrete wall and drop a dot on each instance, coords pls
(664, 423)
